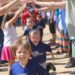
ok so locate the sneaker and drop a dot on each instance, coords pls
(50, 66)
(72, 73)
(58, 52)
(69, 65)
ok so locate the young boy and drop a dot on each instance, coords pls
(29, 26)
(24, 65)
(39, 48)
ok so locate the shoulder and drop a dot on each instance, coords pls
(46, 46)
(33, 63)
(25, 27)
(15, 65)
(15, 68)
(6, 25)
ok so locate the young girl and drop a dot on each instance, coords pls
(8, 53)
(10, 35)
(25, 65)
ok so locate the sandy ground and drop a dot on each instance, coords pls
(60, 60)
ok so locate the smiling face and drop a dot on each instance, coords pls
(23, 53)
(35, 37)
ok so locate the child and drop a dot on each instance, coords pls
(39, 48)
(29, 26)
(10, 35)
(8, 53)
(24, 64)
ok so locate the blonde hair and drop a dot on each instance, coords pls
(29, 20)
(27, 46)
(21, 43)
(15, 46)
(35, 32)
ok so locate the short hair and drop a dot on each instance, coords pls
(9, 16)
(15, 46)
(34, 31)
(21, 43)
(27, 46)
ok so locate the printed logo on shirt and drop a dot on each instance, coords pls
(36, 53)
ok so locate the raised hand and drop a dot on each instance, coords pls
(24, 1)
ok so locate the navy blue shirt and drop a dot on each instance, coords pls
(1, 41)
(32, 68)
(1, 32)
(1, 37)
(39, 52)
(39, 24)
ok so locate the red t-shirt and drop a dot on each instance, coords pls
(24, 16)
(27, 14)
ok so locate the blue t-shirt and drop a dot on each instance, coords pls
(39, 52)
(32, 68)
(26, 30)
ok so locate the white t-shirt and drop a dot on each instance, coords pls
(9, 35)
(70, 17)
(48, 14)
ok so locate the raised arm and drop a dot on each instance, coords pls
(17, 13)
(6, 8)
(44, 8)
(55, 5)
